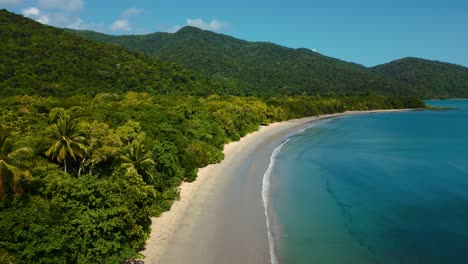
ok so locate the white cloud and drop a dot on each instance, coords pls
(314, 50)
(29, 12)
(34, 12)
(213, 25)
(121, 25)
(66, 5)
(131, 12)
(10, 2)
(77, 24)
(174, 29)
(43, 20)
(59, 13)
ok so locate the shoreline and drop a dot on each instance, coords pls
(220, 217)
(266, 186)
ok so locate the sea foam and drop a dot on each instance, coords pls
(266, 196)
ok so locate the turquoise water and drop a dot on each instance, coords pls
(379, 188)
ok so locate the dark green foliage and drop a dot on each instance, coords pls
(68, 143)
(32, 232)
(103, 215)
(137, 160)
(429, 79)
(126, 136)
(86, 220)
(13, 165)
(107, 218)
(254, 68)
(267, 69)
(38, 59)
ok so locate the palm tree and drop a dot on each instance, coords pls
(137, 159)
(68, 144)
(12, 165)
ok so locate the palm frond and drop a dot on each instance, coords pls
(11, 167)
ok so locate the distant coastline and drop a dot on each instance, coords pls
(220, 217)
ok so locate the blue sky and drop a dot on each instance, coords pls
(365, 32)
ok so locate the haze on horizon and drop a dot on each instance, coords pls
(364, 32)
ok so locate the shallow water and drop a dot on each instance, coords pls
(379, 188)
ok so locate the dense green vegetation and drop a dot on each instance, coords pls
(95, 139)
(429, 79)
(259, 68)
(38, 59)
(88, 172)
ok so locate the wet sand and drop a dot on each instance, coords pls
(220, 217)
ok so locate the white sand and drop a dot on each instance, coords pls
(192, 229)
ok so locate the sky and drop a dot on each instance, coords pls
(365, 32)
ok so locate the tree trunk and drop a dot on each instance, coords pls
(82, 164)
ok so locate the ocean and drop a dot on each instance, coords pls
(377, 188)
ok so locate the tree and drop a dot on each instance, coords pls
(137, 159)
(12, 165)
(102, 144)
(68, 144)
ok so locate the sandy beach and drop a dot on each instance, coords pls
(220, 217)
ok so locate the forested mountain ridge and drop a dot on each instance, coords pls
(430, 79)
(95, 139)
(39, 59)
(266, 67)
(43, 60)
(256, 67)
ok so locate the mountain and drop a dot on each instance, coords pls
(39, 59)
(266, 67)
(430, 79)
(255, 67)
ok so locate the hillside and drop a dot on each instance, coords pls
(256, 67)
(38, 59)
(266, 67)
(94, 140)
(430, 79)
